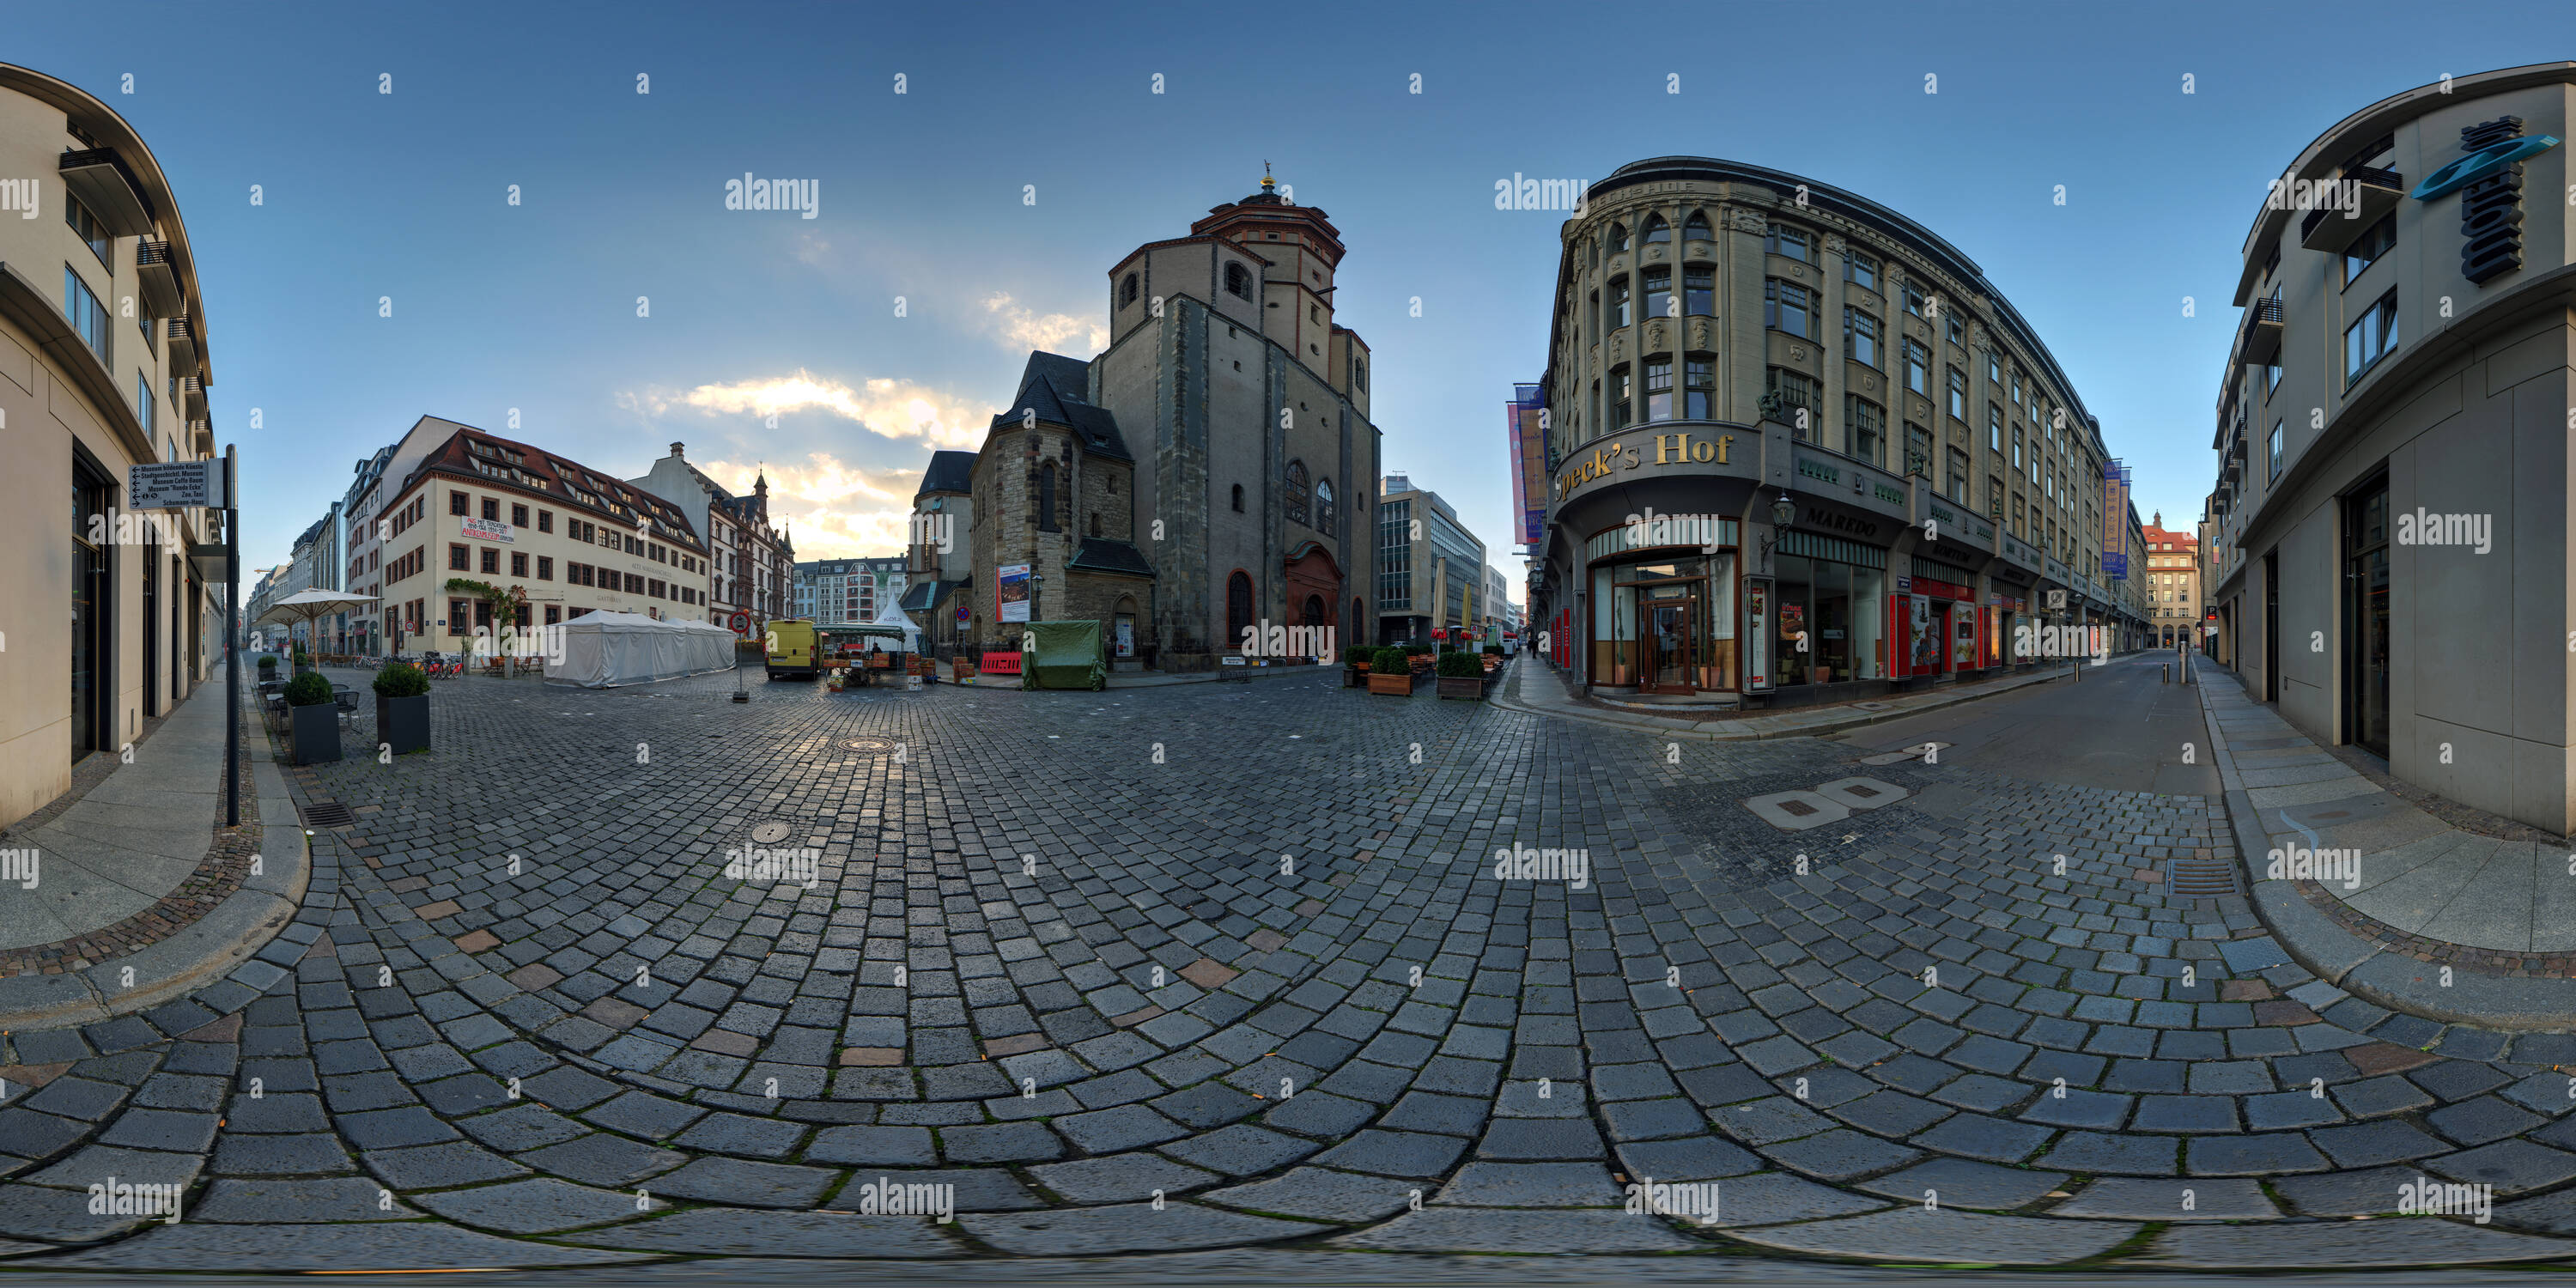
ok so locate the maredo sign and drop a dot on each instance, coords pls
(1669, 449)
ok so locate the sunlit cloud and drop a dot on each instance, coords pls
(831, 509)
(886, 407)
(1024, 328)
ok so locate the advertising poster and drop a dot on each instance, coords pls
(1924, 653)
(1011, 593)
(1963, 637)
(1757, 634)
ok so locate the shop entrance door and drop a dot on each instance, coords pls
(1664, 625)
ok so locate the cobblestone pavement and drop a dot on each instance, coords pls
(1218, 966)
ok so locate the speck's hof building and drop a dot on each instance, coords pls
(2395, 567)
(1799, 449)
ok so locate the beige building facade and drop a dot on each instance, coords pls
(103, 365)
(2172, 585)
(1732, 346)
(2393, 550)
(564, 540)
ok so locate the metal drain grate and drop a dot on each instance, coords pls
(867, 744)
(2200, 878)
(328, 814)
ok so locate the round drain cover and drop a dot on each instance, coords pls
(770, 833)
(867, 744)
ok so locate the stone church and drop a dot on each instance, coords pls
(1207, 473)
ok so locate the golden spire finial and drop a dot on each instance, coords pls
(1267, 183)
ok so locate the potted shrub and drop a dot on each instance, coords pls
(1461, 675)
(1389, 673)
(315, 719)
(402, 708)
(1355, 665)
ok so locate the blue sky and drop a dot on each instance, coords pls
(366, 196)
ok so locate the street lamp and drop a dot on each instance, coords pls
(1037, 581)
(1784, 512)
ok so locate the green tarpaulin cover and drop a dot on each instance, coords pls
(1066, 656)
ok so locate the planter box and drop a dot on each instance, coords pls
(1354, 676)
(403, 722)
(315, 732)
(1462, 686)
(1397, 685)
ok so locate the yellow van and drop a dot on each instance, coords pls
(791, 649)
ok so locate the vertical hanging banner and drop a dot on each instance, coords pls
(2115, 527)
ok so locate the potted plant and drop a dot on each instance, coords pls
(1355, 665)
(402, 708)
(1461, 675)
(1389, 673)
(315, 727)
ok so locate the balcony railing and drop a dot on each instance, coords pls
(99, 178)
(2262, 342)
(2377, 193)
(159, 278)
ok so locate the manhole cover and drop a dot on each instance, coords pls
(1799, 808)
(770, 833)
(867, 744)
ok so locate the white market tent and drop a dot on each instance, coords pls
(891, 621)
(606, 650)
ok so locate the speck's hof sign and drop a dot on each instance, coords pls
(1667, 449)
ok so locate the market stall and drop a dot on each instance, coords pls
(609, 650)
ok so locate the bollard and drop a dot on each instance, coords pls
(2168, 673)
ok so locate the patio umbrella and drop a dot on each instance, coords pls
(310, 607)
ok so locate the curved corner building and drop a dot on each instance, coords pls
(103, 364)
(2390, 545)
(1733, 346)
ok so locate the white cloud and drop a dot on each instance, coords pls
(1023, 328)
(886, 407)
(833, 510)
